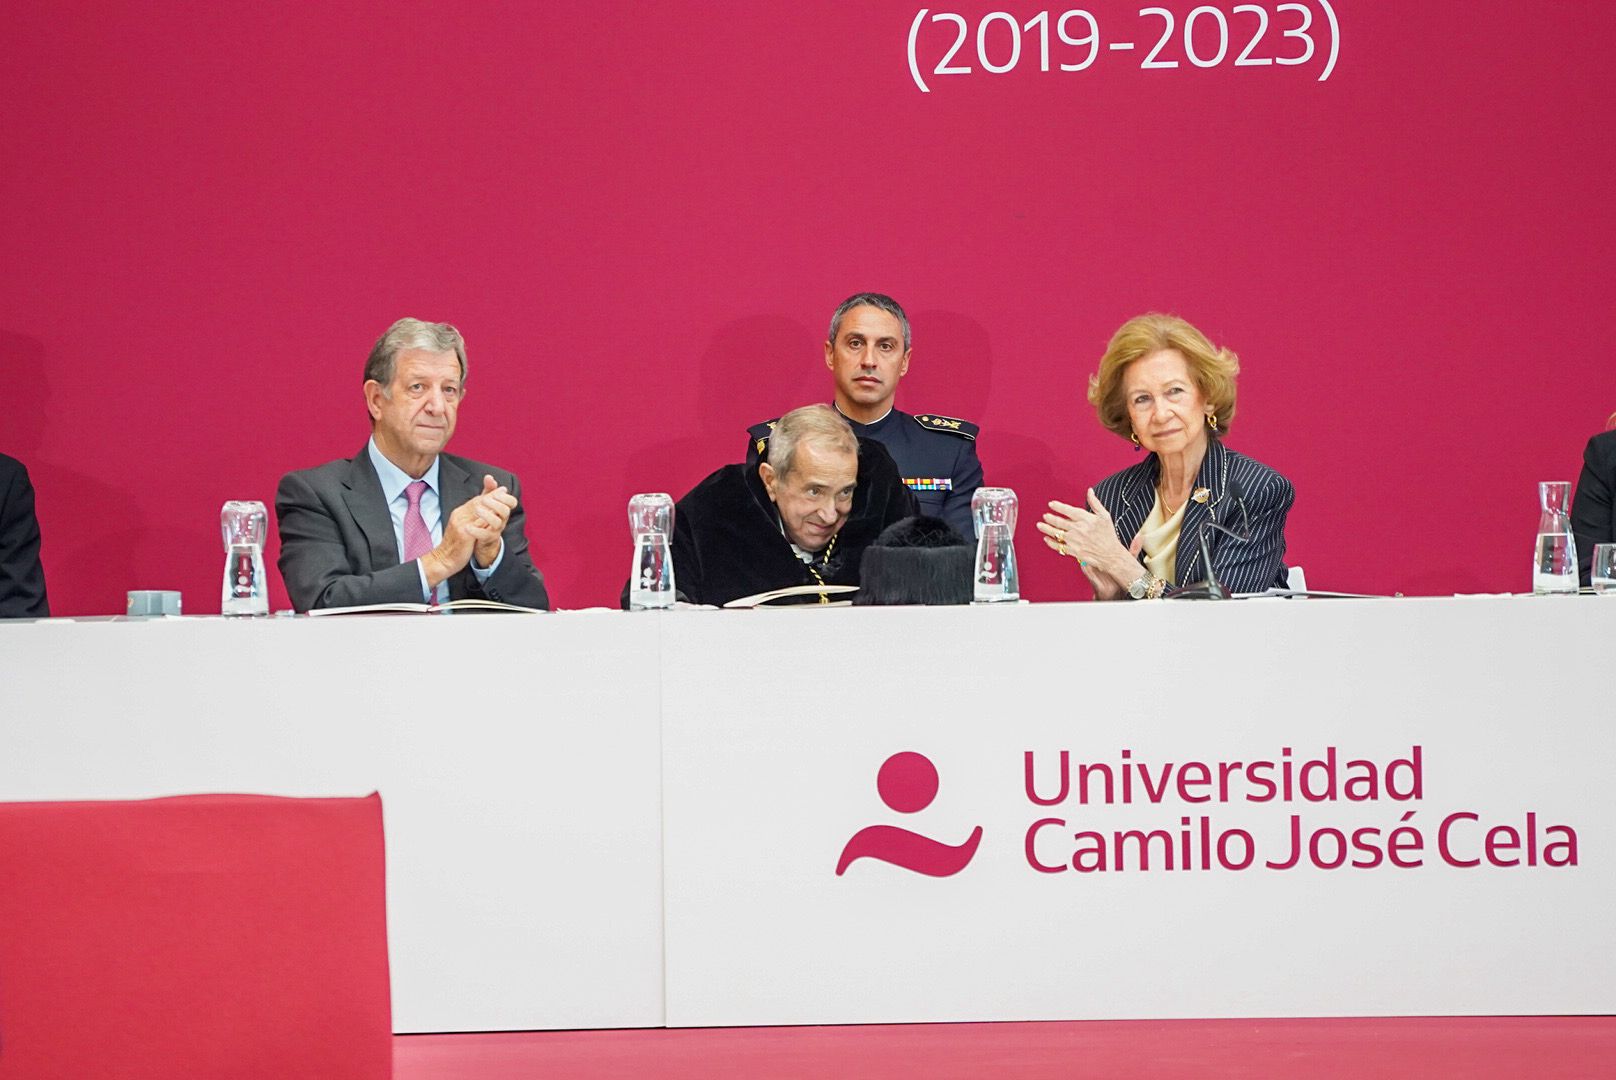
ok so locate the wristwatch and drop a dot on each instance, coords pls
(1146, 587)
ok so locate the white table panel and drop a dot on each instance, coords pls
(517, 758)
(771, 763)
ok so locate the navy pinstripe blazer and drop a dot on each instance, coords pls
(1252, 566)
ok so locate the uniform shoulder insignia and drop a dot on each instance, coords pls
(948, 424)
(759, 434)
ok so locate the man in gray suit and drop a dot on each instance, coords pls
(404, 522)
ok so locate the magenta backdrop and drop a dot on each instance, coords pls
(642, 214)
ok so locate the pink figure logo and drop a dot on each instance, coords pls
(907, 782)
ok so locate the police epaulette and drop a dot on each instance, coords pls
(759, 434)
(950, 425)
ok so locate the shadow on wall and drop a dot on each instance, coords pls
(752, 370)
(87, 571)
(951, 370)
(952, 373)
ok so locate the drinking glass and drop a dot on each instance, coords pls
(1603, 578)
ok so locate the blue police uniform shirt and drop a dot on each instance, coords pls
(936, 456)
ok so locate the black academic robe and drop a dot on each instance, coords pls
(22, 578)
(727, 541)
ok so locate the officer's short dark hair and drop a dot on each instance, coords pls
(869, 299)
(919, 560)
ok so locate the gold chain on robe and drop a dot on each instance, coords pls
(824, 559)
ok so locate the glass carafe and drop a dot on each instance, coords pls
(246, 587)
(1554, 569)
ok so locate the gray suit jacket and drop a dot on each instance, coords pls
(338, 549)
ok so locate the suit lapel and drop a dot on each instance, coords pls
(1189, 568)
(1138, 495)
(363, 495)
(455, 486)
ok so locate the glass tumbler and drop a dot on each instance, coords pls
(1603, 577)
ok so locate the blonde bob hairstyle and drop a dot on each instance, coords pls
(1214, 369)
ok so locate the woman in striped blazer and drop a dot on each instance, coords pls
(1163, 386)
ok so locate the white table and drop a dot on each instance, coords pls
(599, 819)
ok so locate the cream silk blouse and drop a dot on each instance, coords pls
(1160, 534)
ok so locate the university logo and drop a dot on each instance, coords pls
(908, 784)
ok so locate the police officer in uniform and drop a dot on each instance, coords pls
(867, 353)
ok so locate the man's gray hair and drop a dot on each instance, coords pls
(817, 424)
(412, 334)
(869, 299)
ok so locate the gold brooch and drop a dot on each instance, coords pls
(1200, 495)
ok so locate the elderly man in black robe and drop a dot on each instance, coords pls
(801, 517)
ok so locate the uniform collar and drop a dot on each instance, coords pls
(873, 425)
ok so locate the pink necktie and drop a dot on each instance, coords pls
(417, 537)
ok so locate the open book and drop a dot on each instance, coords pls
(763, 599)
(1310, 592)
(427, 609)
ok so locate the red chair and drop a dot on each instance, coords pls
(211, 936)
